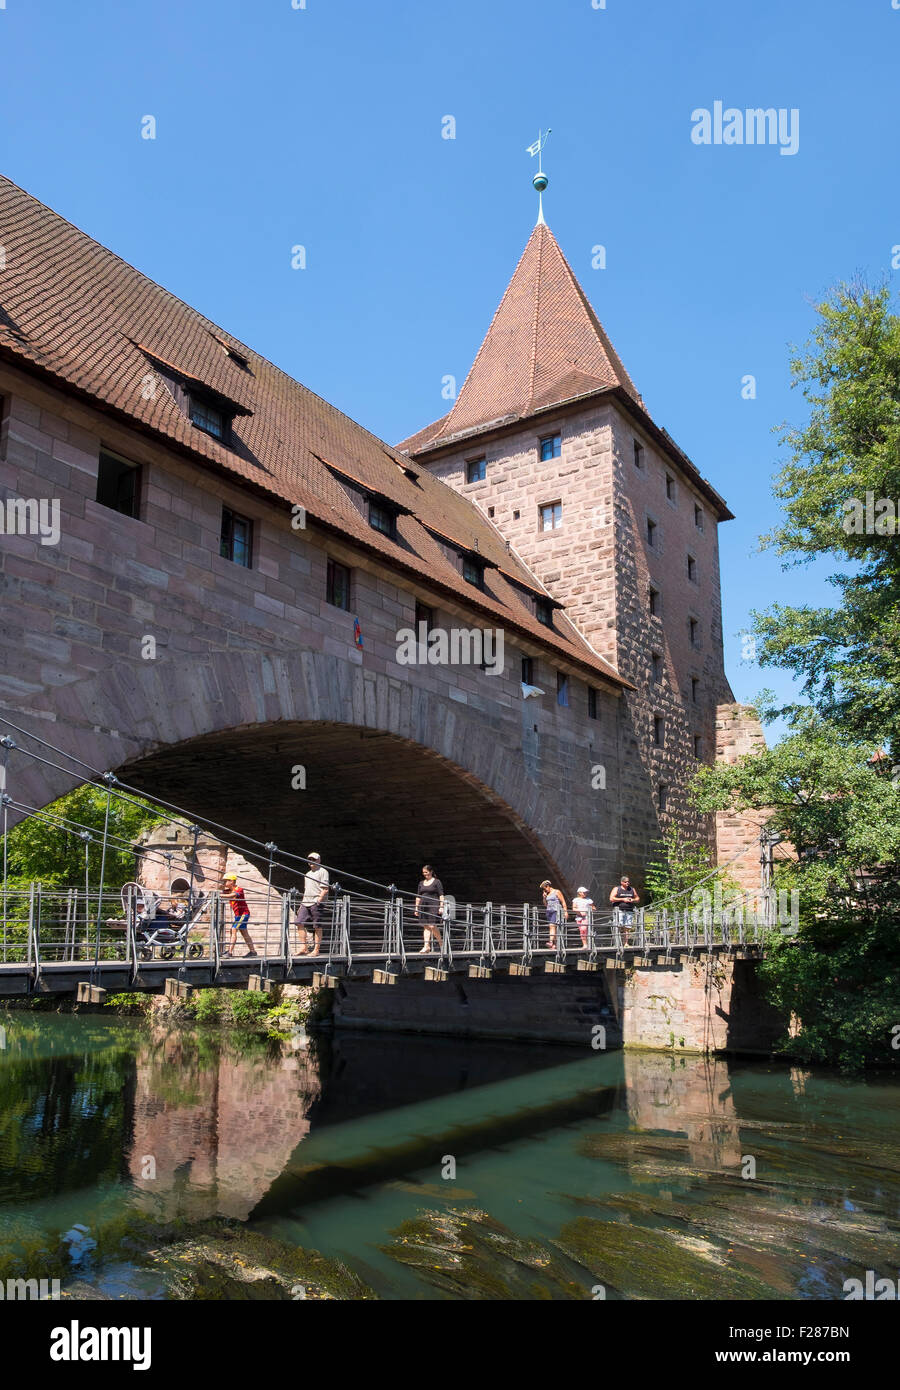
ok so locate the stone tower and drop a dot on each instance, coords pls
(550, 438)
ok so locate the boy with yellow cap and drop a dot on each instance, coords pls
(241, 914)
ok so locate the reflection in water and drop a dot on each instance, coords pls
(209, 1165)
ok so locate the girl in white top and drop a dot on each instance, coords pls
(582, 906)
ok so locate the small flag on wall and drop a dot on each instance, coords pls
(357, 632)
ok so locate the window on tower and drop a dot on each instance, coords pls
(653, 601)
(551, 447)
(551, 516)
(476, 469)
(638, 454)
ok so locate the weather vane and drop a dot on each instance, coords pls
(540, 179)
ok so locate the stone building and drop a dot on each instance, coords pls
(170, 860)
(209, 576)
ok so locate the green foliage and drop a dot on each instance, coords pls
(841, 980)
(55, 856)
(847, 656)
(248, 1006)
(679, 865)
(838, 811)
(208, 1005)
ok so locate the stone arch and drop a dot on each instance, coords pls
(467, 792)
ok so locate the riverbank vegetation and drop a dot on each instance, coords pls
(832, 786)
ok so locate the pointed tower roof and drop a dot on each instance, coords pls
(545, 346)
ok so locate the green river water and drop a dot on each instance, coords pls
(141, 1161)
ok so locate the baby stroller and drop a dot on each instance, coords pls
(156, 928)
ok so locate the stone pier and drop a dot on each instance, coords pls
(704, 1004)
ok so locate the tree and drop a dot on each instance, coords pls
(841, 494)
(40, 849)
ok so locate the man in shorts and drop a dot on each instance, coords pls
(315, 891)
(625, 899)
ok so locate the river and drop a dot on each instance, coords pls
(144, 1161)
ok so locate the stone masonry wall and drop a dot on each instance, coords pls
(241, 649)
(599, 564)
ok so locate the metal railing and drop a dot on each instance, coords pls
(46, 927)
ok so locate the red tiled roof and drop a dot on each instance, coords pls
(73, 311)
(545, 345)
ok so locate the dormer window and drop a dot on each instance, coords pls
(473, 571)
(382, 518)
(209, 418)
(543, 610)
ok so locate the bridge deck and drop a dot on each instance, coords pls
(20, 979)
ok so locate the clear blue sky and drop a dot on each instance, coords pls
(322, 127)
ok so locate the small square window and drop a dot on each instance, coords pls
(663, 797)
(543, 610)
(515, 516)
(659, 731)
(651, 532)
(655, 667)
(208, 418)
(692, 569)
(653, 601)
(473, 572)
(236, 538)
(698, 518)
(476, 470)
(337, 591)
(382, 518)
(551, 447)
(528, 670)
(551, 516)
(118, 484)
(670, 487)
(638, 454)
(490, 512)
(562, 689)
(592, 703)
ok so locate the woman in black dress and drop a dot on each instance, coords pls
(430, 908)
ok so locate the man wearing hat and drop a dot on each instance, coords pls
(315, 891)
(241, 914)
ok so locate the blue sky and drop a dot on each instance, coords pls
(321, 127)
